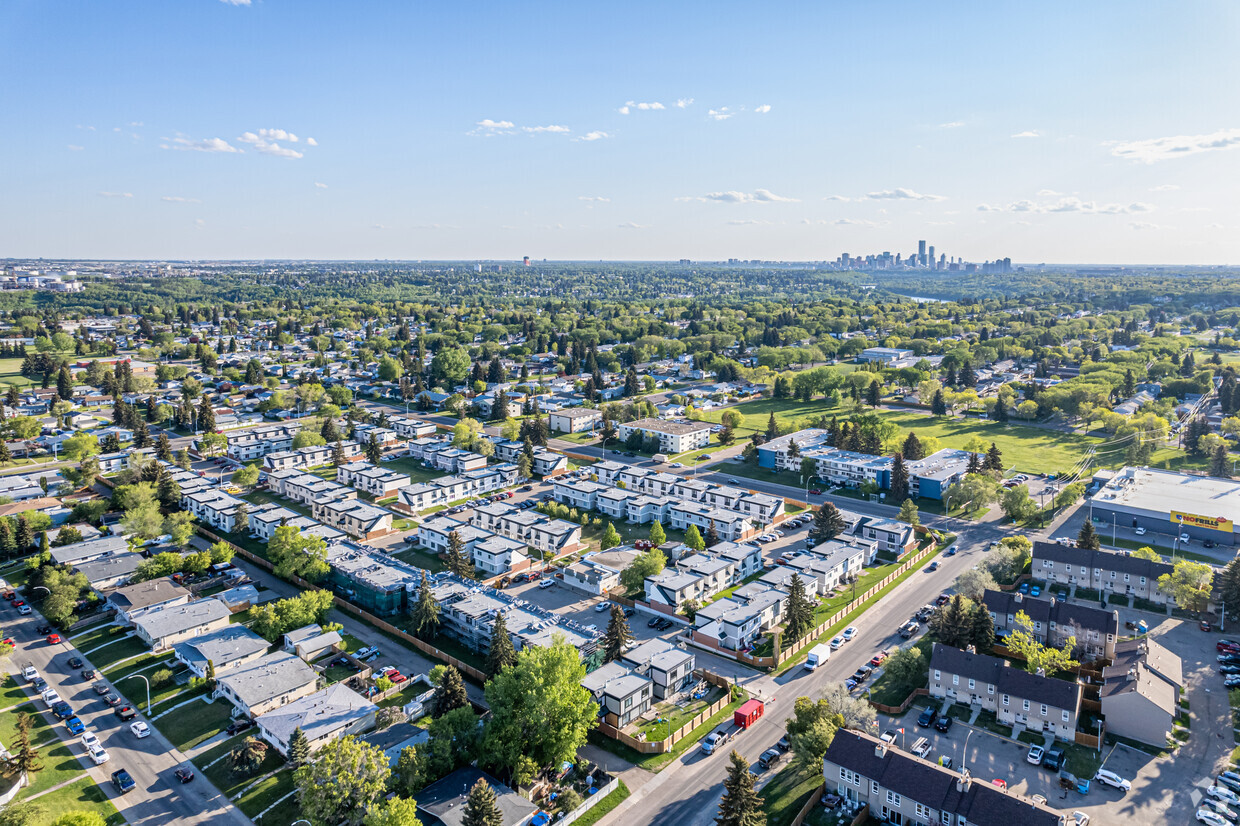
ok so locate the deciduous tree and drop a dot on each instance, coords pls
(345, 779)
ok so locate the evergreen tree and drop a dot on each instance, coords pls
(899, 479)
(25, 536)
(952, 623)
(168, 490)
(631, 385)
(163, 447)
(64, 383)
(328, 431)
(524, 467)
(481, 809)
(1218, 463)
(693, 538)
(912, 449)
(5, 455)
(908, 513)
(982, 632)
(618, 635)
(298, 748)
(994, 459)
(499, 410)
(1087, 538)
(873, 393)
(425, 612)
(141, 434)
(458, 562)
(22, 755)
(206, 416)
(772, 427)
(8, 544)
(828, 523)
(938, 405)
(741, 804)
(974, 465)
(610, 538)
(712, 535)
(451, 694)
(501, 653)
(799, 615)
(338, 457)
(374, 453)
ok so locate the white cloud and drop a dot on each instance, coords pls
(319, 185)
(683, 103)
(750, 222)
(1164, 188)
(598, 199)
(720, 114)
(265, 143)
(1142, 226)
(641, 107)
(1160, 149)
(73, 147)
(631, 225)
(1048, 193)
(1028, 133)
(199, 223)
(495, 124)
(593, 136)
(115, 194)
(854, 222)
(552, 128)
(734, 197)
(177, 199)
(956, 124)
(1070, 205)
(311, 142)
(235, 2)
(1214, 226)
(434, 226)
(763, 109)
(837, 198)
(902, 194)
(206, 145)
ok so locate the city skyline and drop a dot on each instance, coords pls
(216, 130)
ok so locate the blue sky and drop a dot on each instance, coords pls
(1056, 132)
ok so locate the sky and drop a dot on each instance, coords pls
(1059, 132)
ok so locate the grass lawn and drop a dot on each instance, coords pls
(12, 692)
(196, 724)
(95, 637)
(143, 665)
(40, 728)
(658, 762)
(1082, 761)
(678, 715)
(413, 469)
(83, 795)
(59, 765)
(230, 783)
(114, 652)
(217, 751)
(262, 497)
(790, 414)
(601, 809)
(169, 694)
(784, 796)
(11, 373)
(351, 642)
(336, 673)
(265, 794)
(422, 559)
(885, 693)
(591, 535)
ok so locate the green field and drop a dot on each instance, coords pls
(84, 795)
(10, 373)
(784, 796)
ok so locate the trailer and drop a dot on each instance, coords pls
(748, 713)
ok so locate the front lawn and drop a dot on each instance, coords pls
(112, 653)
(95, 637)
(188, 727)
(231, 783)
(784, 796)
(13, 691)
(886, 692)
(40, 728)
(421, 559)
(59, 766)
(678, 715)
(658, 762)
(83, 795)
(597, 812)
(266, 793)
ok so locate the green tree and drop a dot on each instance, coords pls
(248, 756)
(811, 729)
(907, 668)
(899, 486)
(647, 564)
(1149, 553)
(246, 477)
(346, 778)
(396, 811)
(982, 630)
(693, 538)
(425, 621)
(1219, 466)
(952, 623)
(458, 563)
(481, 808)
(618, 635)
(298, 748)
(500, 653)
(828, 523)
(296, 554)
(610, 538)
(539, 709)
(1087, 537)
(308, 438)
(451, 693)
(799, 615)
(1038, 656)
(26, 813)
(80, 818)
(657, 535)
(79, 447)
(741, 804)
(975, 582)
(409, 776)
(1017, 505)
(1188, 584)
(144, 521)
(909, 514)
(23, 757)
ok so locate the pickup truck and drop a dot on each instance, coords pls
(909, 628)
(745, 716)
(30, 672)
(717, 739)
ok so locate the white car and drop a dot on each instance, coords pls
(98, 755)
(1226, 795)
(30, 673)
(1110, 778)
(1139, 531)
(1210, 818)
(1035, 755)
(1184, 537)
(546, 583)
(51, 697)
(140, 729)
(1219, 808)
(23, 609)
(849, 633)
(837, 643)
(89, 740)
(602, 606)
(1080, 819)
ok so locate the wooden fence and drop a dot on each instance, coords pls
(903, 707)
(809, 805)
(343, 604)
(666, 744)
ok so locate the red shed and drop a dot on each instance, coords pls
(748, 714)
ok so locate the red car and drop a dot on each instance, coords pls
(878, 658)
(9, 641)
(397, 677)
(53, 639)
(19, 603)
(1229, 646)
(815, 492)
(1203, 625)
(10, 595)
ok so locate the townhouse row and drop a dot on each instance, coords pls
(415, 498)
(652, 672)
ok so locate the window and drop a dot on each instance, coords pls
(990, 689)
(1005, 699)
(893, 798)
(923, 811)
(1044, 709)
(1065, 716)
(1026, 705)
(874, 787)
(955, 679)
(1142, 580)
(972, 684)
(1112, 575)
(946, 818)
(1127, 578)
(938, 675)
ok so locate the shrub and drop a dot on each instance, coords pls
(161, 676)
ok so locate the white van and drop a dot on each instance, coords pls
(659, 458)
(546, 582)
(818, 655)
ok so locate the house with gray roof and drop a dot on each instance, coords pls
(228, 648)
(133, 600)
(669, 667)
(443, 802)
(269, 682)
(1055, 620)
(89, 550)
(1141, 691)
(323, 716)
(622, 695)
(110, 571)
(165, 627)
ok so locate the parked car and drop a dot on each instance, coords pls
(944, 723)
(545, 584)
(30, 673)
(1139, 531)
(122, 781)
(44, 629)
(1035, 755)
(1054, 759)
(654, 621)
(140, 729)
(1220, 808)
(768, 757)
(879, 658)
(238, 726)
(849, 633)
(53, 639)
(862, 674)
(889, 736)
(75, 725)
(921, 748)
(88, 673)
(1110, 778)
(62, 710)
(837, 643)
(1228, 782)
(183, 775)
(1211, 818)
(24, 609)
(111, 699)
(127, 713)
(927, 717)
(1224, 794)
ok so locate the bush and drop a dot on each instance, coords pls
(568, 800)
(161, 676)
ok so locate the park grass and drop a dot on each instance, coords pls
(196, 725)
(112, 653)
(604, 807)
(790, 414)
(11, 373)
(84, 795)
(59, 766)
(784, 796)
(413, 469)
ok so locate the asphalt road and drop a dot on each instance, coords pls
(158, 797)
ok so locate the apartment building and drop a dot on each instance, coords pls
(304, 458)
(497, 555)
(891, 535)
(577, 493)
(729, 525)
(898, 787)
(1054, 621)
(247, 445)
(1100, 571)
(1015, 696)
(443, 456)
(422, 495)
(379, 482)
(212, 506)
(271, 681)
(232, 646)
(575, 420)
(385, 436)
(411, 428)
(548, 535)
(372, 581)
(306, 488)
(735, 622)
(434, 534)
(333, 712)
(168, 625)
(673, 437)
(355, 518)
(1140, 695)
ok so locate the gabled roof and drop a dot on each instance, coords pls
(1103, 560)
(318, 715)
(1007, 680)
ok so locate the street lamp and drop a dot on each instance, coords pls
(148, 690)
(43, 588)
(964, 754)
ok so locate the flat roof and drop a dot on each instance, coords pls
(1161, 491)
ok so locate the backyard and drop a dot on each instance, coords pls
(667, 717)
